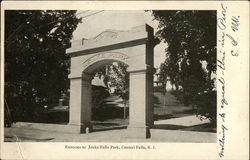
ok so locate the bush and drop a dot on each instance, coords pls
(99, 93)
(159, 89)
(179, 95)
(206, 104)
(156, 100)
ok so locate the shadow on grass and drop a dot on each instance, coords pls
(108, 111)
(185, 111)
(176, 114)
(168, 127)
(25, 139)
(59, 117)
(163, 116)
(106, 124)
(198, 128)
(173, 114)
(109, 128)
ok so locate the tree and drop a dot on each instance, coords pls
(116, 77)
(191, 42)
(191, 39)
(119, 79)
(170, 69)
(36, 66)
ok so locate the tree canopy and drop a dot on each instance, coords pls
(36, 66)
(191, 40)
(116, 77)
(191, 44)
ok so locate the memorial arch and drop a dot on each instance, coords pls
(134, 48)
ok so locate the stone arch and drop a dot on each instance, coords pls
(101, 59)
(133, 47)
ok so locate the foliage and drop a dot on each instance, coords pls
(36, 67)
(99, 94)
(191, 41)
(206, 106)
(116, 76)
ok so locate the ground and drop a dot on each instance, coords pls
(174, 122)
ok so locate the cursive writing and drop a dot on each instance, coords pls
(223, 99)
(228, 44)
(222, 140)
(232, 37)
(221, 64)
(222, 20)
(235, 23)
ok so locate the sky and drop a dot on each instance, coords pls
(95, 22)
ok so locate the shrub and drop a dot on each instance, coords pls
(99, 93)
(206, 104)
(179, 95)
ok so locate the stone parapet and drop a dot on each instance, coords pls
(109, 38)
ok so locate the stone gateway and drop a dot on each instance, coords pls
(134, 48)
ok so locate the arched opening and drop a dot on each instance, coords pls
(109, 94)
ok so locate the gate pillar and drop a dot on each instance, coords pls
(80, 103)
(140, 102)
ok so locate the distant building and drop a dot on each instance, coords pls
(160, 85)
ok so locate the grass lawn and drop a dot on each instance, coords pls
(111, 115)
(169, 117)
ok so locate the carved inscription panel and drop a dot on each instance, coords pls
(105, 56)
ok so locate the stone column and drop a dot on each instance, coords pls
(140, 102)
(80, 104)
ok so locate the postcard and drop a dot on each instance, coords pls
(124, 80)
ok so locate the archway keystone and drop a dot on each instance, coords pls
(133, 47)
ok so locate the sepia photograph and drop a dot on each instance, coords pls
(85, 79)
(85, 75)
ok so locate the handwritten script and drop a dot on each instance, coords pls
(228, 25)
